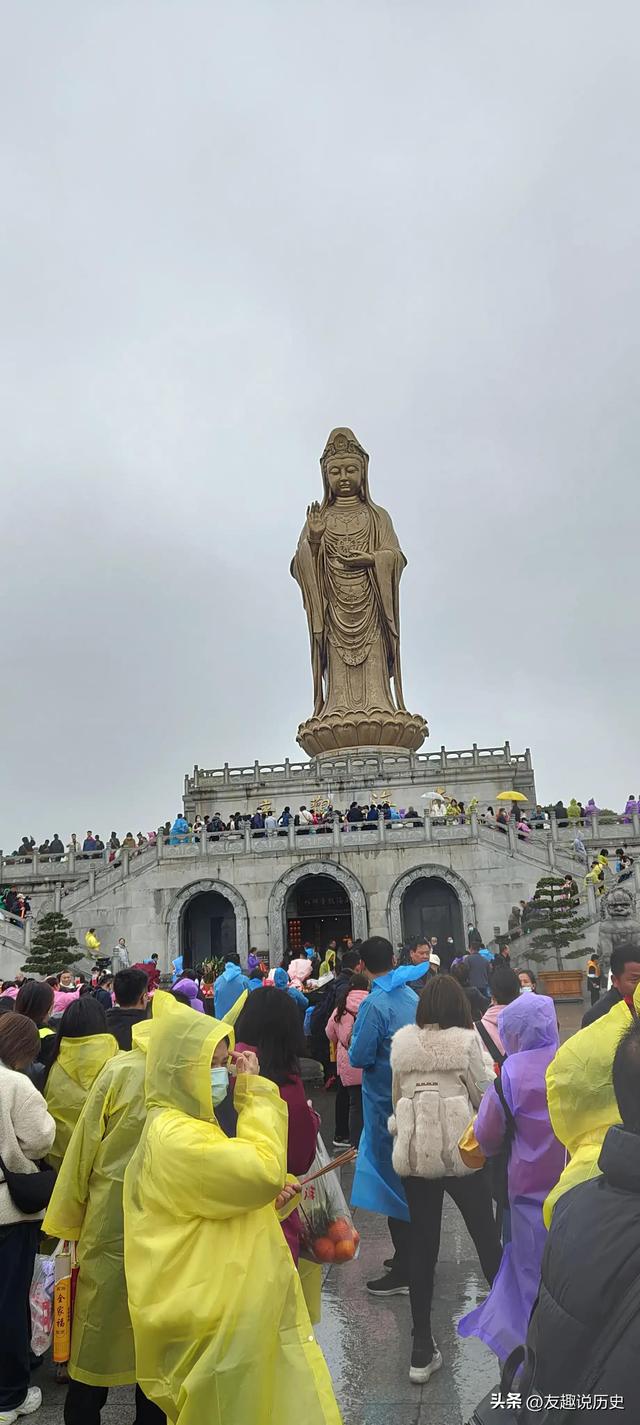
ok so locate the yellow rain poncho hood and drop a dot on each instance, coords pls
(86, 1208)
(71, 1076)
(221, 1330)
(582, 1104)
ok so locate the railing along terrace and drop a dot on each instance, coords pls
(352, 764)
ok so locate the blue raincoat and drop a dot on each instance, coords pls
(228, 988)
(391, 1005)
(281, 982)
(179, 831)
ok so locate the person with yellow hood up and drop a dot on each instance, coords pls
(582, 1103)
(222, 1334)
(81, 1050)
(86, 1207)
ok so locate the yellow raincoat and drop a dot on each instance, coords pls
(69, 1080)
(86, 1207)
(222, 1333)
(582, 1104)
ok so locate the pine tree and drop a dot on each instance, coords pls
(556, 923)
(52, 946)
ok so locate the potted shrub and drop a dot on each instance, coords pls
(558, 926)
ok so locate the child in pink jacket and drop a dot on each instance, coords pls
(339, 1030)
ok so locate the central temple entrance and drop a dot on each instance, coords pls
(208, 928)
(317, 910)
(431, 907)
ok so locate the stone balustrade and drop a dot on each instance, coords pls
(352, 766)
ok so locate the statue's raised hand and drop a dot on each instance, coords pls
(315, 523)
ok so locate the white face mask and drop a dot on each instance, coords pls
(219, 1085)
(526, 989)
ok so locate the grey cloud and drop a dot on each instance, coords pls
(226, 229)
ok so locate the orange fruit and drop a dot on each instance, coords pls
(324, 1250)
(339, 1230)
(345, 1250)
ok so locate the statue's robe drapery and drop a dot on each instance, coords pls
(353, 614)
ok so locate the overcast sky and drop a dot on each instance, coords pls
(226, 229)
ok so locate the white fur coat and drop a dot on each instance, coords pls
(439, 1077)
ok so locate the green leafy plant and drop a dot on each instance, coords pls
(556, 925)
(53, 946)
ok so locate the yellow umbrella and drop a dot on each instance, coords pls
(511, 797)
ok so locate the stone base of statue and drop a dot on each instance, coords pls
(339, 733)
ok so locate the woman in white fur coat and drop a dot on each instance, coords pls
(440, 1071)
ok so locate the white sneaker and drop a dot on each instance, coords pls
(7, 1417)
(32, 1402)
(420, 1374)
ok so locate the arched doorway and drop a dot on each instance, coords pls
(317, 911)
(191, 932)
(431, 907)
(405, 911)
(208, 928)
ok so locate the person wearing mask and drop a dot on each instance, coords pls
(222, 1334)
(86, 1208)
(339, 1031)
(580, 1095)
(505, 987)
(514, 1114)
(576, 1333)
(528, 982)
(625, 975)
(81, 1049)
(131, 989)
(376, 1184)
(440, 1072)
(269, 1025)
(27, 1131)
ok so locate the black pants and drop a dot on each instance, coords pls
(400, 1233)
(84, 1403)
(342, 1114)
(425, 1197)
(18, 1247)
(355, 1114)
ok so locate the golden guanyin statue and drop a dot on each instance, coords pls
(349, 564)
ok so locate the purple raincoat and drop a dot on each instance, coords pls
(529, 1032)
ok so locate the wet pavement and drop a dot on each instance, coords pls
(367, 1342)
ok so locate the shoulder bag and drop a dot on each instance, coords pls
(29, 1192)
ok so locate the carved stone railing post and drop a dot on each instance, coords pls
(551, 852)
(247, 838)
(57, 899)
(92, 880)
(592, 904)
(475, 826)
(71, 860)
(337, 834)
(512, 838)
(382, 830)
(159, 847)
(124, 861)
(27, 934)
(428, 827)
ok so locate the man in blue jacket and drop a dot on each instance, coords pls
(376, 1186)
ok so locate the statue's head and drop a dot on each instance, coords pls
(344, 464)
(619, 904)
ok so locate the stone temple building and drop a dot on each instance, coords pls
(238, 889)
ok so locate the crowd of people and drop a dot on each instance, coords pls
(359, 815)
(158, 1128)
